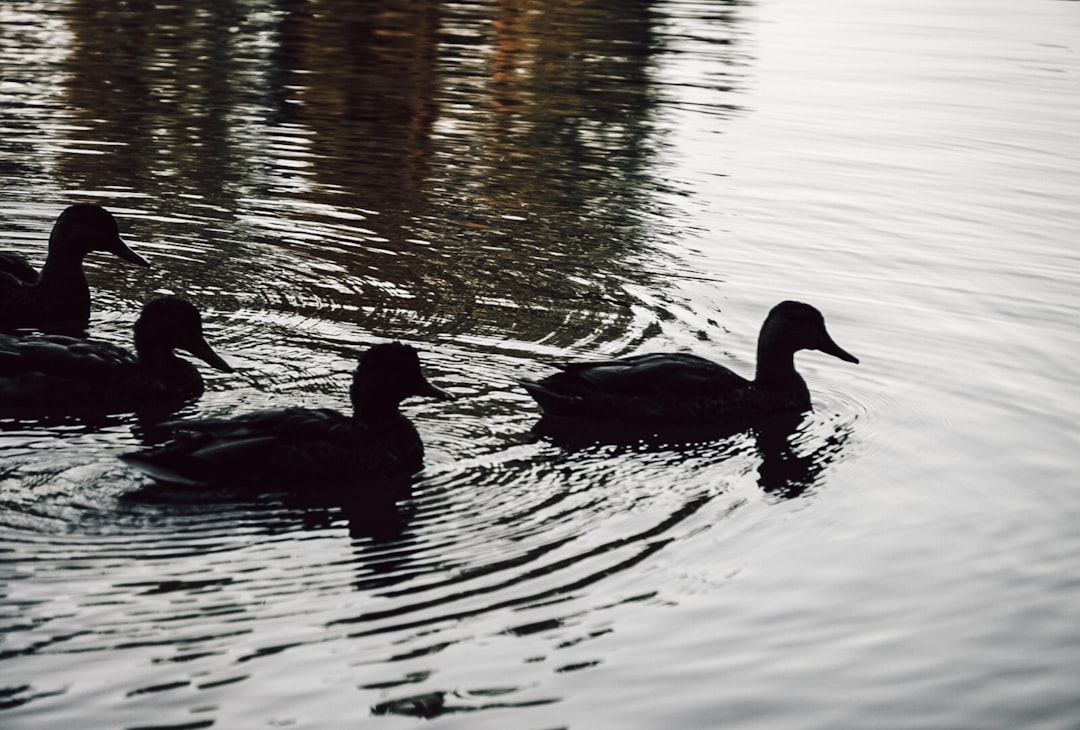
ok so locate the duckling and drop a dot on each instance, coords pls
(58, 372)
(680, 388)
(59, 297)
(305, 449)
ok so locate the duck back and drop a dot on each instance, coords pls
(293, 449)
(673, 387)
(57, 370)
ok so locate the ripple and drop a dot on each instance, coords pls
(505, 189)
(503, 532)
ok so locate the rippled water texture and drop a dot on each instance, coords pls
(505, 185)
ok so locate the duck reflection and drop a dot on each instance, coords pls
(787, 468)
(794, 449)
(377, 515)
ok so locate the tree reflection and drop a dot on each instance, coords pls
(498, 158)
(159, 92)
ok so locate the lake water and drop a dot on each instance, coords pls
(505, 185)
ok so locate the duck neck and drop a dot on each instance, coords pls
(776, 366)
(64, 269)
(151, 354)
(371, 405)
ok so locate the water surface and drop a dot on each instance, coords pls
(505, 185)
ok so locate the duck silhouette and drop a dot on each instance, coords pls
(681, 388)
(304, 449)
(58, 372)
(59, 296)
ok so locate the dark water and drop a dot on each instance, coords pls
(505, 185)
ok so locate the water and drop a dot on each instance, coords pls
(505, 185)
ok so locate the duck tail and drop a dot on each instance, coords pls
(155, 463)
(550, 401)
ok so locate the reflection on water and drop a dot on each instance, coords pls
(451, 163)
(793, 449)
(316, 176)
(793, 459)
(507, 183)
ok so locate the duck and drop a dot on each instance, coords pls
(683, 388)
(58, 372)
(305, 450)
(59, 296)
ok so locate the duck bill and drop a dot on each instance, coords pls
(121, 249)
(428, 390)
(204, 352)
(828, 346)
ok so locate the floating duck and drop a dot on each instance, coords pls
(59, 297)
(680, 388)
(305, 449)
(58, 372)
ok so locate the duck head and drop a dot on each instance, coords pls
(85, 227)
(386, 375)
(170, 322)
(793, 326)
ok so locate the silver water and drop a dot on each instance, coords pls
(506, 185)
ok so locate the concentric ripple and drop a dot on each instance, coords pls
(503, 534)
(484, 182)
